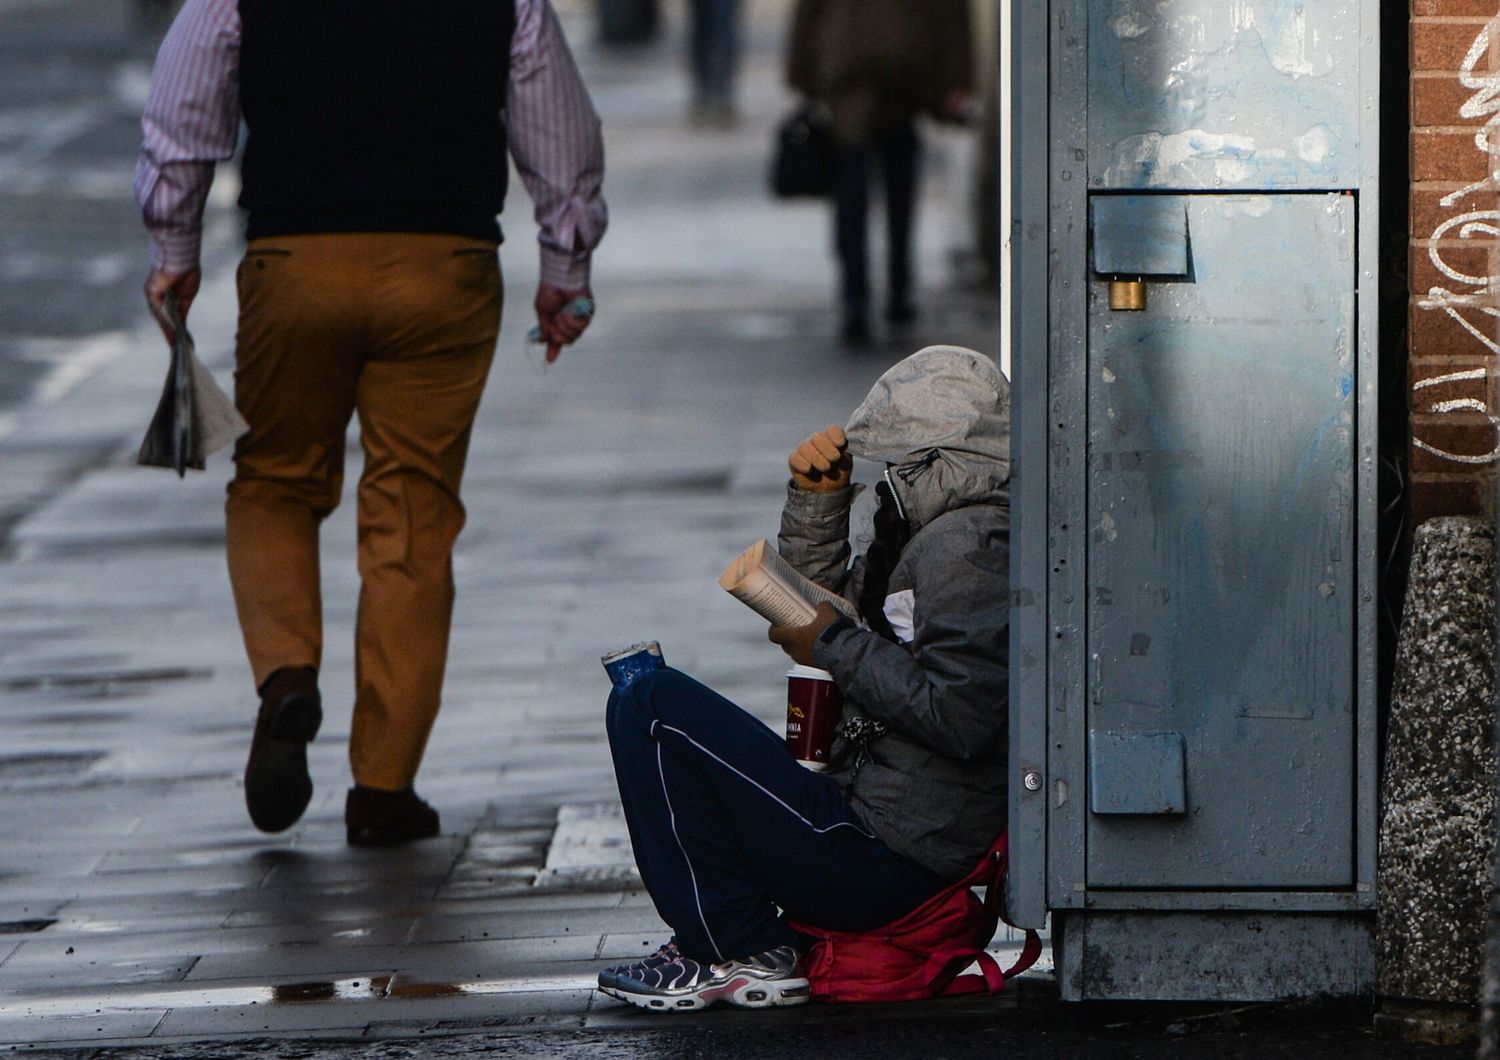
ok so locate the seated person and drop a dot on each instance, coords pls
(732, 836)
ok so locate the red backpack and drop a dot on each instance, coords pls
(923, 954)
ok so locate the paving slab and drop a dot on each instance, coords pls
(457, 961)
(73, 976)
(288, 1017)
(131, 1026)
(75, 949)
(458, 927)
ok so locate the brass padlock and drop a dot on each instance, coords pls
(1127, 295)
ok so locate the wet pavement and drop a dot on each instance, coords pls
(138, 908)
(73, 79)
(605, 494)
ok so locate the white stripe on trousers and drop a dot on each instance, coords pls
(693, 876)
(672, 816)
(768, 792)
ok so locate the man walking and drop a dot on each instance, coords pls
(374, 168)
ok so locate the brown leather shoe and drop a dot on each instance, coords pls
(376, 818)
(277, 787)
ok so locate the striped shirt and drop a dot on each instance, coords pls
(192, 121)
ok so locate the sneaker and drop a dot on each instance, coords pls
(773, 978)
(664, 955)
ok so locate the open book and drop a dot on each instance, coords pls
(768, 585)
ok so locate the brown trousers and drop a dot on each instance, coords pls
(400, 328)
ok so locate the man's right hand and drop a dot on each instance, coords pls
(559, 328)
(184, 284)
(822, 464)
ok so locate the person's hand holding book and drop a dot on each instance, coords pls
(769, 585)
(798, 641)
(822, 464)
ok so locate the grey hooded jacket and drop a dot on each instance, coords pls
(932, 782)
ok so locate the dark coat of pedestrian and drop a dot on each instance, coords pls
(879, 63)
(378, 147)
(877, 66)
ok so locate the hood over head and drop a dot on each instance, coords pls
(941, 417)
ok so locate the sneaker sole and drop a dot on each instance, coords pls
(279, 788)
(741, 992)
(654, 1002)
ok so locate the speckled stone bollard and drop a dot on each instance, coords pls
(1437, 830)
(1489, 1001)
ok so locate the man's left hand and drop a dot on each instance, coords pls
(559, 328)
(798, 641)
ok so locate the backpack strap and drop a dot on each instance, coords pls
(989, 980)
(993, 870)
(1031, 949)
(991, 874)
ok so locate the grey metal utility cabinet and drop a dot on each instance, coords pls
(1191, 187)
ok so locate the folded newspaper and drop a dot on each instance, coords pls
(771, 587)
(194, 417)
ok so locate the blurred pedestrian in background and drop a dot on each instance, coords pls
(715, 47)
(374, 169)
(877, 65)
(152, 16)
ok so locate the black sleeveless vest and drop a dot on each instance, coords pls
(374, 115)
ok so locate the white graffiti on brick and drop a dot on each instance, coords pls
(1459, 405)
(1473, 306)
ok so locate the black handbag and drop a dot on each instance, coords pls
(803, 163)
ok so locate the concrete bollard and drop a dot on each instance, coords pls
(1437, 829)
(1489, 1000)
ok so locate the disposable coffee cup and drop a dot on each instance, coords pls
(813, 706)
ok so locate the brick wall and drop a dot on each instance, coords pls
(1454, 264)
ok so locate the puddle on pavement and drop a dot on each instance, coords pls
(381, 986)
(402, 987)
(330, 990)
(366, 989)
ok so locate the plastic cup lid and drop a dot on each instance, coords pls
(811, 672)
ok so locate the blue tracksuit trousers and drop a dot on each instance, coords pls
(729, 830)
